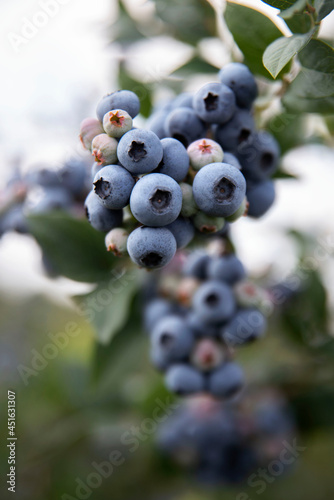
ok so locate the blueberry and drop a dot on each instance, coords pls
(113, 185)
(203, 152)
(183, 100)
(239, 78)
(259, 156)
(117, 122)
(182, 379)
(227, 268)
(214, 302)
(184, 125)
(207, 224)
(233, 134)
(183, 231)
(196, 265)
(14, 220)
(95, 169)
(175, 160)
(245, 326)
(116, 241)
(172, 339)
(89, 128)
(99, 216)
(156, 123)
(122, 99)
(155, 310)
(189, 207)
(156, 200)
(232, 160)
(214, 103)
(104, 149)
(207, 354)
(200, 327)
(260, 197)
(219, 189)
(45, 177)
(151, 247)
(73, 176)
(226, 381)
(50, 199)
(140, 151)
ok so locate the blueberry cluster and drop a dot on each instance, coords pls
(194, 343)
(154, 189)
(43, 190)
(226, 444)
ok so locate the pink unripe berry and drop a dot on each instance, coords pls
(104, 149)
(208, 354)
(116, 241)
(89, 128)
(117, 122)
(203, 152)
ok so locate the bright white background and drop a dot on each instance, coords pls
(52, 82)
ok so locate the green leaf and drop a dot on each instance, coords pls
(281, 51)
(280, 174)
(323, 8)
(107, 308)
(288, 129)
(280, 4)
(296, 18)
(72, 246)
(253, 32)
(313, 89)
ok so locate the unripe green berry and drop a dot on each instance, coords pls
(203, 152)
(116, 241)
(189, 207)
(208, 225)
(242, 210)
(89, 128)
(104, 149)
(117, 122)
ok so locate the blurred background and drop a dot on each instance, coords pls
(73, 411)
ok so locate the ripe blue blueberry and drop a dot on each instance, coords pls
(14, 220)
(182, 379)
(156, 200)
(121, 99)
(184, 125)
(175, 160)
(156, 123)
(239, 78)
(50, 199)
(219, 189)
(203, 152)
(233, 134)
(245, 326)
(226, 381)
(151, 247)
(232, 160)
(261, 197)
(140, 151)
(155, 310)
(74, 176)
(259, 156)
(214, 103)
(227, 268)
(200, 327)
(196, 265)
(99, 216)
(113, 185)
(183, 100)
(45, 177)
(214, 302)
(183, 231)
(172, 339)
